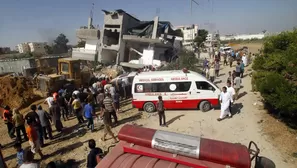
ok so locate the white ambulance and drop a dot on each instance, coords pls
(180, 89)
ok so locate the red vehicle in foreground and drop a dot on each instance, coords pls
(148, 148)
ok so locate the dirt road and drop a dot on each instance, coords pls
(242, 128)
(245, 126)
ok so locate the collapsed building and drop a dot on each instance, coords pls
(29, 66)
(124, 38)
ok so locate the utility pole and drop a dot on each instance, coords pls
(193, 25)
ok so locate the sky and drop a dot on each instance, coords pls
(42, 20)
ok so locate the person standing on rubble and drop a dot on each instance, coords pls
(48, 100)
(100, 98)
(55, 112)
(109, 107)
(45, 119)
(63, 106)
(105, 114)
(94, 92)
(77, 109)
(33, 116)
(112, 90)
(103, 82)
(19, 123)
(7, 117)
(68, 98)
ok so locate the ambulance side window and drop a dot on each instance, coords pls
(179, 86)
(203, 85)
(143, 87)
(159, 87)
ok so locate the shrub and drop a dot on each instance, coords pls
(276, 72)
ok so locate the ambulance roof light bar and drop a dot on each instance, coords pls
(235, 155)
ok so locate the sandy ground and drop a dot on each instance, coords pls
(250, 124)
(254, 47)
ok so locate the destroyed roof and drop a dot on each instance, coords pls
(120, 11)
(145, 28)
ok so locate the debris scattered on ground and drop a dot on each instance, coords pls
(109, 71)
(260, 121)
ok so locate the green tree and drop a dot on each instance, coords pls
(60, 44)
(49, 49)
(81, 44)
(186, 59)
(201, 37)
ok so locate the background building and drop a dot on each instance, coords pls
(23, 48)
(189, 34)
(33, 47)
(4, 50)
(37, 47)
(91, 36)
(242, 37)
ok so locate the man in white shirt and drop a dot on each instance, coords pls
(49, 100)
(232, 92)
(95, 86)
(76, 92)
(112, 90)
(237, 84)
(244, 60)
(225, 99)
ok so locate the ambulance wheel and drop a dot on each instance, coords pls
(204, 106)
(263, 162)
(149, 107)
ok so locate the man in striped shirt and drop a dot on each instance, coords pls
(109, 107)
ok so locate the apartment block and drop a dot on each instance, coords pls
(23, 48)
(37, 47)
(33, 47)
(190, 32)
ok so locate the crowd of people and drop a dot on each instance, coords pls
(83, 102)
(229, 92)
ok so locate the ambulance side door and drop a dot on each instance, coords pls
(205, 91)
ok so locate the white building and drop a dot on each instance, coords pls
(37, 47)
(242, 37)
(23, 48)
(33, 47)
(209, 40)
(90, 50)
(189, 32)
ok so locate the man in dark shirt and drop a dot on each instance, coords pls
(7, 117)
(33, 116)
(83, 98)
(63, 107)
(95, 154)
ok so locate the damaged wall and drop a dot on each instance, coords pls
(16, 66)
(116, 23)
(92, 44)
(108, 56)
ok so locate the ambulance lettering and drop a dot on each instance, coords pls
(179, 78)
(157, 79)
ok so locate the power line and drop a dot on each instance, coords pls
(192, 5)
